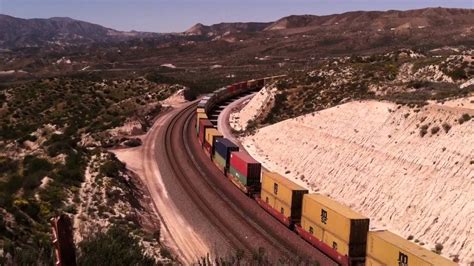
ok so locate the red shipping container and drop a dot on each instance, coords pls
(231, 88)
(207, 148)
(203, 124)
(245, 164)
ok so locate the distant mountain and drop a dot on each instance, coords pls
(350, 21)
(226, 28)
(376, 20)
(17, 32)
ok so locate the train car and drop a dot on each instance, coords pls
(231, 89)
(252, 84)
(335, 229)
(243, 86)
(282, 198)
(387, 248)
(222, 150)
(200, 110)
(244, 172)
(203, 124)
(211, 135)
(200, 116)
(260, 83)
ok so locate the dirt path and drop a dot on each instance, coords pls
(177, 231)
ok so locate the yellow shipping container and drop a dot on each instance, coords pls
(283, 208)
(200, 116)
(336, 243)
(348, 225)
(268, 198)
(200, 110)
(211, 134)
(312, 228)
(282, 188)
(288, 195)
(372, 262)
(391, 249)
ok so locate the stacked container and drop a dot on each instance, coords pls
(386, 248)
(222, 150)
(244, 172)
(203, 124)
(334, 228)
(252, 84)
(211, 135)
(200, 116)
(281, 197)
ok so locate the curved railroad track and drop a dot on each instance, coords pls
(231, 214)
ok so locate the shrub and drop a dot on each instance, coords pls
(434, 130)
(116, 247)
(446, 127)
(133, 142)
(423, 130)
(464, 118)
(112, 167)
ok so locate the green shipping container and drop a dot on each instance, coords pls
(243, 179)
(218, 159)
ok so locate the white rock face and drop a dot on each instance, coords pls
(370, 156)
(257, 108)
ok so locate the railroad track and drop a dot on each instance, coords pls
(243, 223)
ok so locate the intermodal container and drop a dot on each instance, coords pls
(203, 124)
(251, 84)
(200, 110)
(232, 88)
(348, 225)
(199, 116)
(218, 159)
(288, 195)
(267, 81)
(243, 86)
(245, 164)
(244, 180)
(207, 148)
(312, 228)
(224, 147)
(391, 249)
(219, 162)
(373, 262)
(211, 135)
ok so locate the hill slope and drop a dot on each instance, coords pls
(370, 156)
(17, 32)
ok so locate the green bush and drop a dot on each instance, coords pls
(115, 247)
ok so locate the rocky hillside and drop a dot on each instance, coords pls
(409, 170)
(362, 145)
(17, 32)
(379, 20)
(225, 28)
(54, 137)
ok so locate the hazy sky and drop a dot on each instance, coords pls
(178, 15)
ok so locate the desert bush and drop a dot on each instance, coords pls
(116, 247)
(133, 142)
(446, 127)
(464, 118)
(423, 130)
(434, 130)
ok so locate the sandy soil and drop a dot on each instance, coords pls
(371, 157)
(177, 232)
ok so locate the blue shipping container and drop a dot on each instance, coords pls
(224, 147)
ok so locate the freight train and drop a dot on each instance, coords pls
(334, 229)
